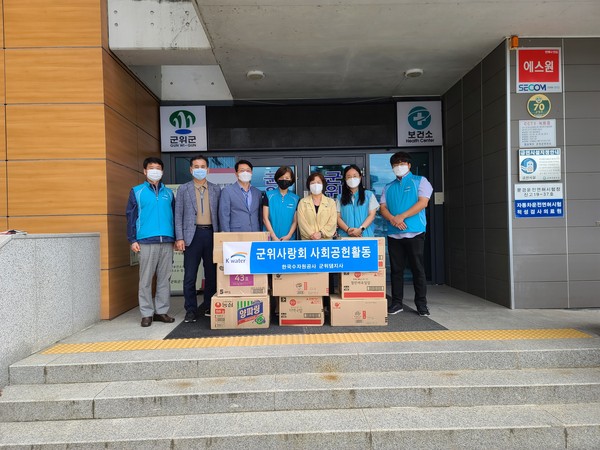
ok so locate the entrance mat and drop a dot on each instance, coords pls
(407, 320)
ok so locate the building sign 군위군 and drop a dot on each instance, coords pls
(538, 70)
(419, 123)
(183, 128)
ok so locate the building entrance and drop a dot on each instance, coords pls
(376, 171)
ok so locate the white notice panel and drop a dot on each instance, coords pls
(537, 133)
(419, 123)
(183, 128)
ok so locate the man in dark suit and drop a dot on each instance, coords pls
(240, 202)
(196, 218)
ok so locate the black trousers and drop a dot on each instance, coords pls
(411, 250)
(200, 249)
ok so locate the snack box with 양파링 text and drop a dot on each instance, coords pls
(230, 313)
(301, 311)
(240, 285)
(234, 236)
(300, 284)
(358, 312)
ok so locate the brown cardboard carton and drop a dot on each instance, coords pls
(359, 312)
(300, 284)
(363, 284)
(228, 313)
(240, 285)
(301, 311)
(232, 236)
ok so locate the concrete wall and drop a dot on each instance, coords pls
(539, 262)
(475, 181)
(557, 260)
(49, 289)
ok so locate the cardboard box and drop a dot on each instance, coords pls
(229, 313)
(300, 284)
(362, 284)
(358, 312)
(232, 236)
(301, 311)
(240, 285)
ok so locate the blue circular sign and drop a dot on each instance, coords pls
(528, 166)
(419, 118)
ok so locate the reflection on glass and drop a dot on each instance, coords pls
(333, 176)
(182, 166)
(263, 178)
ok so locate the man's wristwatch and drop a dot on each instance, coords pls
(362, 229)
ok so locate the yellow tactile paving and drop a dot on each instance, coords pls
(330, 338)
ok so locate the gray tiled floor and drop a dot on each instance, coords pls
(451, 308)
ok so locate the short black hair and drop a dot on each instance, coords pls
(153, 160)
(282, 171)
(314, 175)
(243, 161)
(194, 158)
(400, 157)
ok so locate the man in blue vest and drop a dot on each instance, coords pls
(403, 204)
(151, 233)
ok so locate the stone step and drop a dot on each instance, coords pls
(547, 426)
(304, 391)
(289, 359)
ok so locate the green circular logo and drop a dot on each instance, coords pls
(538, 106)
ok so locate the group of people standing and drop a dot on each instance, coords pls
(157, 224)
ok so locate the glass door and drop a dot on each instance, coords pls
(332, 168)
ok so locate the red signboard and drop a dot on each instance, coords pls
(538, 70)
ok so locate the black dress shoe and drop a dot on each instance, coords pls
(163, 318)
(146, 321)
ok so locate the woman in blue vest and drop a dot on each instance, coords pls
(279, 207)
(356, 206)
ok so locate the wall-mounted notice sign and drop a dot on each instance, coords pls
(183, 128)
(537, 133)
(419, 123)
(539, 200)
(539, 164)
(538, 70)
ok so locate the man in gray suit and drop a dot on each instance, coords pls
(196, 219)
(240, 203)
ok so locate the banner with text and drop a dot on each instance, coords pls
(357, 255)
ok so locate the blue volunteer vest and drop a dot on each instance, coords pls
(155, 211)
(354, 215)
(281, 211)
(400, 196)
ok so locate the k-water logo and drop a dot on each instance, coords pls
(419, 118)
(237, 258)
(182, 120)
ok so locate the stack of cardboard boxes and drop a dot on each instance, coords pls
(361, 300)
(241, 301)
(301, 298)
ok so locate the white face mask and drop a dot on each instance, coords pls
(353, 182)
(199, 174)
(245, 177)
(400, 171)
(316, 189)
(154, 174)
